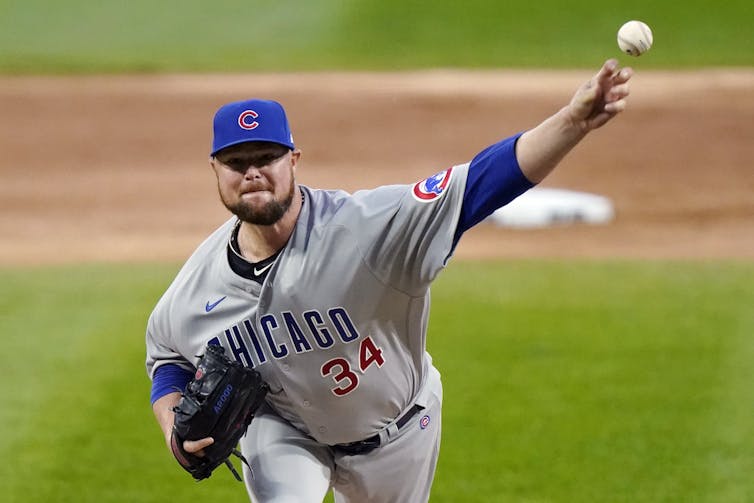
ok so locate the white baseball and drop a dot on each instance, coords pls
(634, 38)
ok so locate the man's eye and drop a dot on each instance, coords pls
(238, 163)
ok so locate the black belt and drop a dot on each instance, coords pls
(373, 442)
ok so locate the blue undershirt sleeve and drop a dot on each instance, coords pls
(494, 180)
(169, 378)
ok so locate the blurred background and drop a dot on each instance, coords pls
(606, 362)
(286, 35)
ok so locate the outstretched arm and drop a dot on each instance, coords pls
(597, 101)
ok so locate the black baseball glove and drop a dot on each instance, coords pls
(219, 402)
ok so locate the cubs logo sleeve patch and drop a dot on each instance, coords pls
(433, 187)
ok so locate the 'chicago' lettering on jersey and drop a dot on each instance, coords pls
(279, 335)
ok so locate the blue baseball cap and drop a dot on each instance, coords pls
(250, 120)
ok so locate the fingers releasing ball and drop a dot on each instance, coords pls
(634, 38)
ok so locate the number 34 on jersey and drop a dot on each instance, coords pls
(343, 372)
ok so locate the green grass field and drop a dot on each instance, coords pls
(234, 35)
(564, 381)
(569, 381)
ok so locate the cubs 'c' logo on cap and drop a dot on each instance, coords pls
(246, 119)
(433, 187)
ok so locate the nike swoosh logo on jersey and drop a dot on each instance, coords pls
(258, 272)
(209, 307)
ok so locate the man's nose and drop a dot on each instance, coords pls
(252, 171)
(253, 165)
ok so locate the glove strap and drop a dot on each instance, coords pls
(233, 470)
(230, 466)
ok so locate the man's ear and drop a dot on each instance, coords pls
(295, 157)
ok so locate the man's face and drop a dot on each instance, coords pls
(256, 180)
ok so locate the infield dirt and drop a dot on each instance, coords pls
(114, 168)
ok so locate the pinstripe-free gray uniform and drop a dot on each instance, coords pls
(337, 329)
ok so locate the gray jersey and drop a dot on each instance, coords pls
(338, 327)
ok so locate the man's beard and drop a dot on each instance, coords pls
(269, 214)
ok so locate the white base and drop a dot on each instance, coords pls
(543, 207)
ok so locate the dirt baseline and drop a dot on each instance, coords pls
(115, 168)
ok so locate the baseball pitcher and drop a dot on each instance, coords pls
(325, 296)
